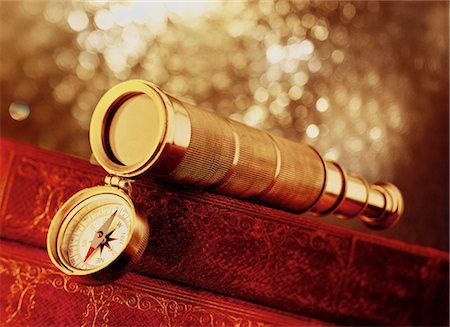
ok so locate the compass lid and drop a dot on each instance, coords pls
(128, 129)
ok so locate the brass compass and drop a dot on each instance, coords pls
(98, 234)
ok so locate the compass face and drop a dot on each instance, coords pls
(97, 237)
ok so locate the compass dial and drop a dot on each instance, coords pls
(89, 245)
(97, 235)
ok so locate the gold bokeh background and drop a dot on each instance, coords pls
(366, 83)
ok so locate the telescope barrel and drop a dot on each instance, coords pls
(137, 128)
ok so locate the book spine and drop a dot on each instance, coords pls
(247, 251)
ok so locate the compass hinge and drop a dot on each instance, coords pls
(122, 183)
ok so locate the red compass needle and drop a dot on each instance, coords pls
(100, 236)
(88, 254)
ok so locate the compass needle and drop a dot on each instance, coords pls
(99, 237)
(107, 223)
(88, 254)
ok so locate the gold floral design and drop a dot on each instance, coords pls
(53, 183)
(171, 310)
(21, 299)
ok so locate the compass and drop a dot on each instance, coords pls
(98, 234)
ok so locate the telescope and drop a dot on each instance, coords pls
(139, 129)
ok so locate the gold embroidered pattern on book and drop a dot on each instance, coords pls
(21, 300)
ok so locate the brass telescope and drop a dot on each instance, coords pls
(137, 128)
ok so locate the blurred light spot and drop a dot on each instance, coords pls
(104, 19)
(120, 14)
(289, 66)
(66, 90)
(82, 117)
(282, 7)
(322, 105)
(274, 73)
(340, 96)
(283, 99)
(332, 154)
(373, 78)
(65, 59)
(54, 12)
(354, 104)
(320, 32)
(375, 133)
(84, 73)
(275, 53)
(308, 20)
(221, 81)
(274, 88)
(255, 116)
(314, 65)
(19, 110)
(239, 61)
(337, 56)
(275, 108)
(236, 27)
(88, 60)
(340, 36)
(360, 127)
(373, 107)
(395, 119)
(95, 41)
(312, 131)
(308, 98)
(324, 129)
(190, 9)
(32, 7)
(302, 50)
(295, 92)
(132, 43)
(285, 119)
(300, 78)
(355, 144)
(300, 125)
(349, 11)
(261, 94)
(115, 58)
(140, 12)
(301, 112)
(331, 5)
(78, 20)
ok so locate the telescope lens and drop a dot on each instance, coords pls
(135, 130)
(128, 129)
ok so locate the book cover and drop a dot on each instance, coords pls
(34, 293)
(246, 251)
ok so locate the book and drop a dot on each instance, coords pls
(239, 249)
(35, 293)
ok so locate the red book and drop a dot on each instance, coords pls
(242, 250)
(34, 293)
